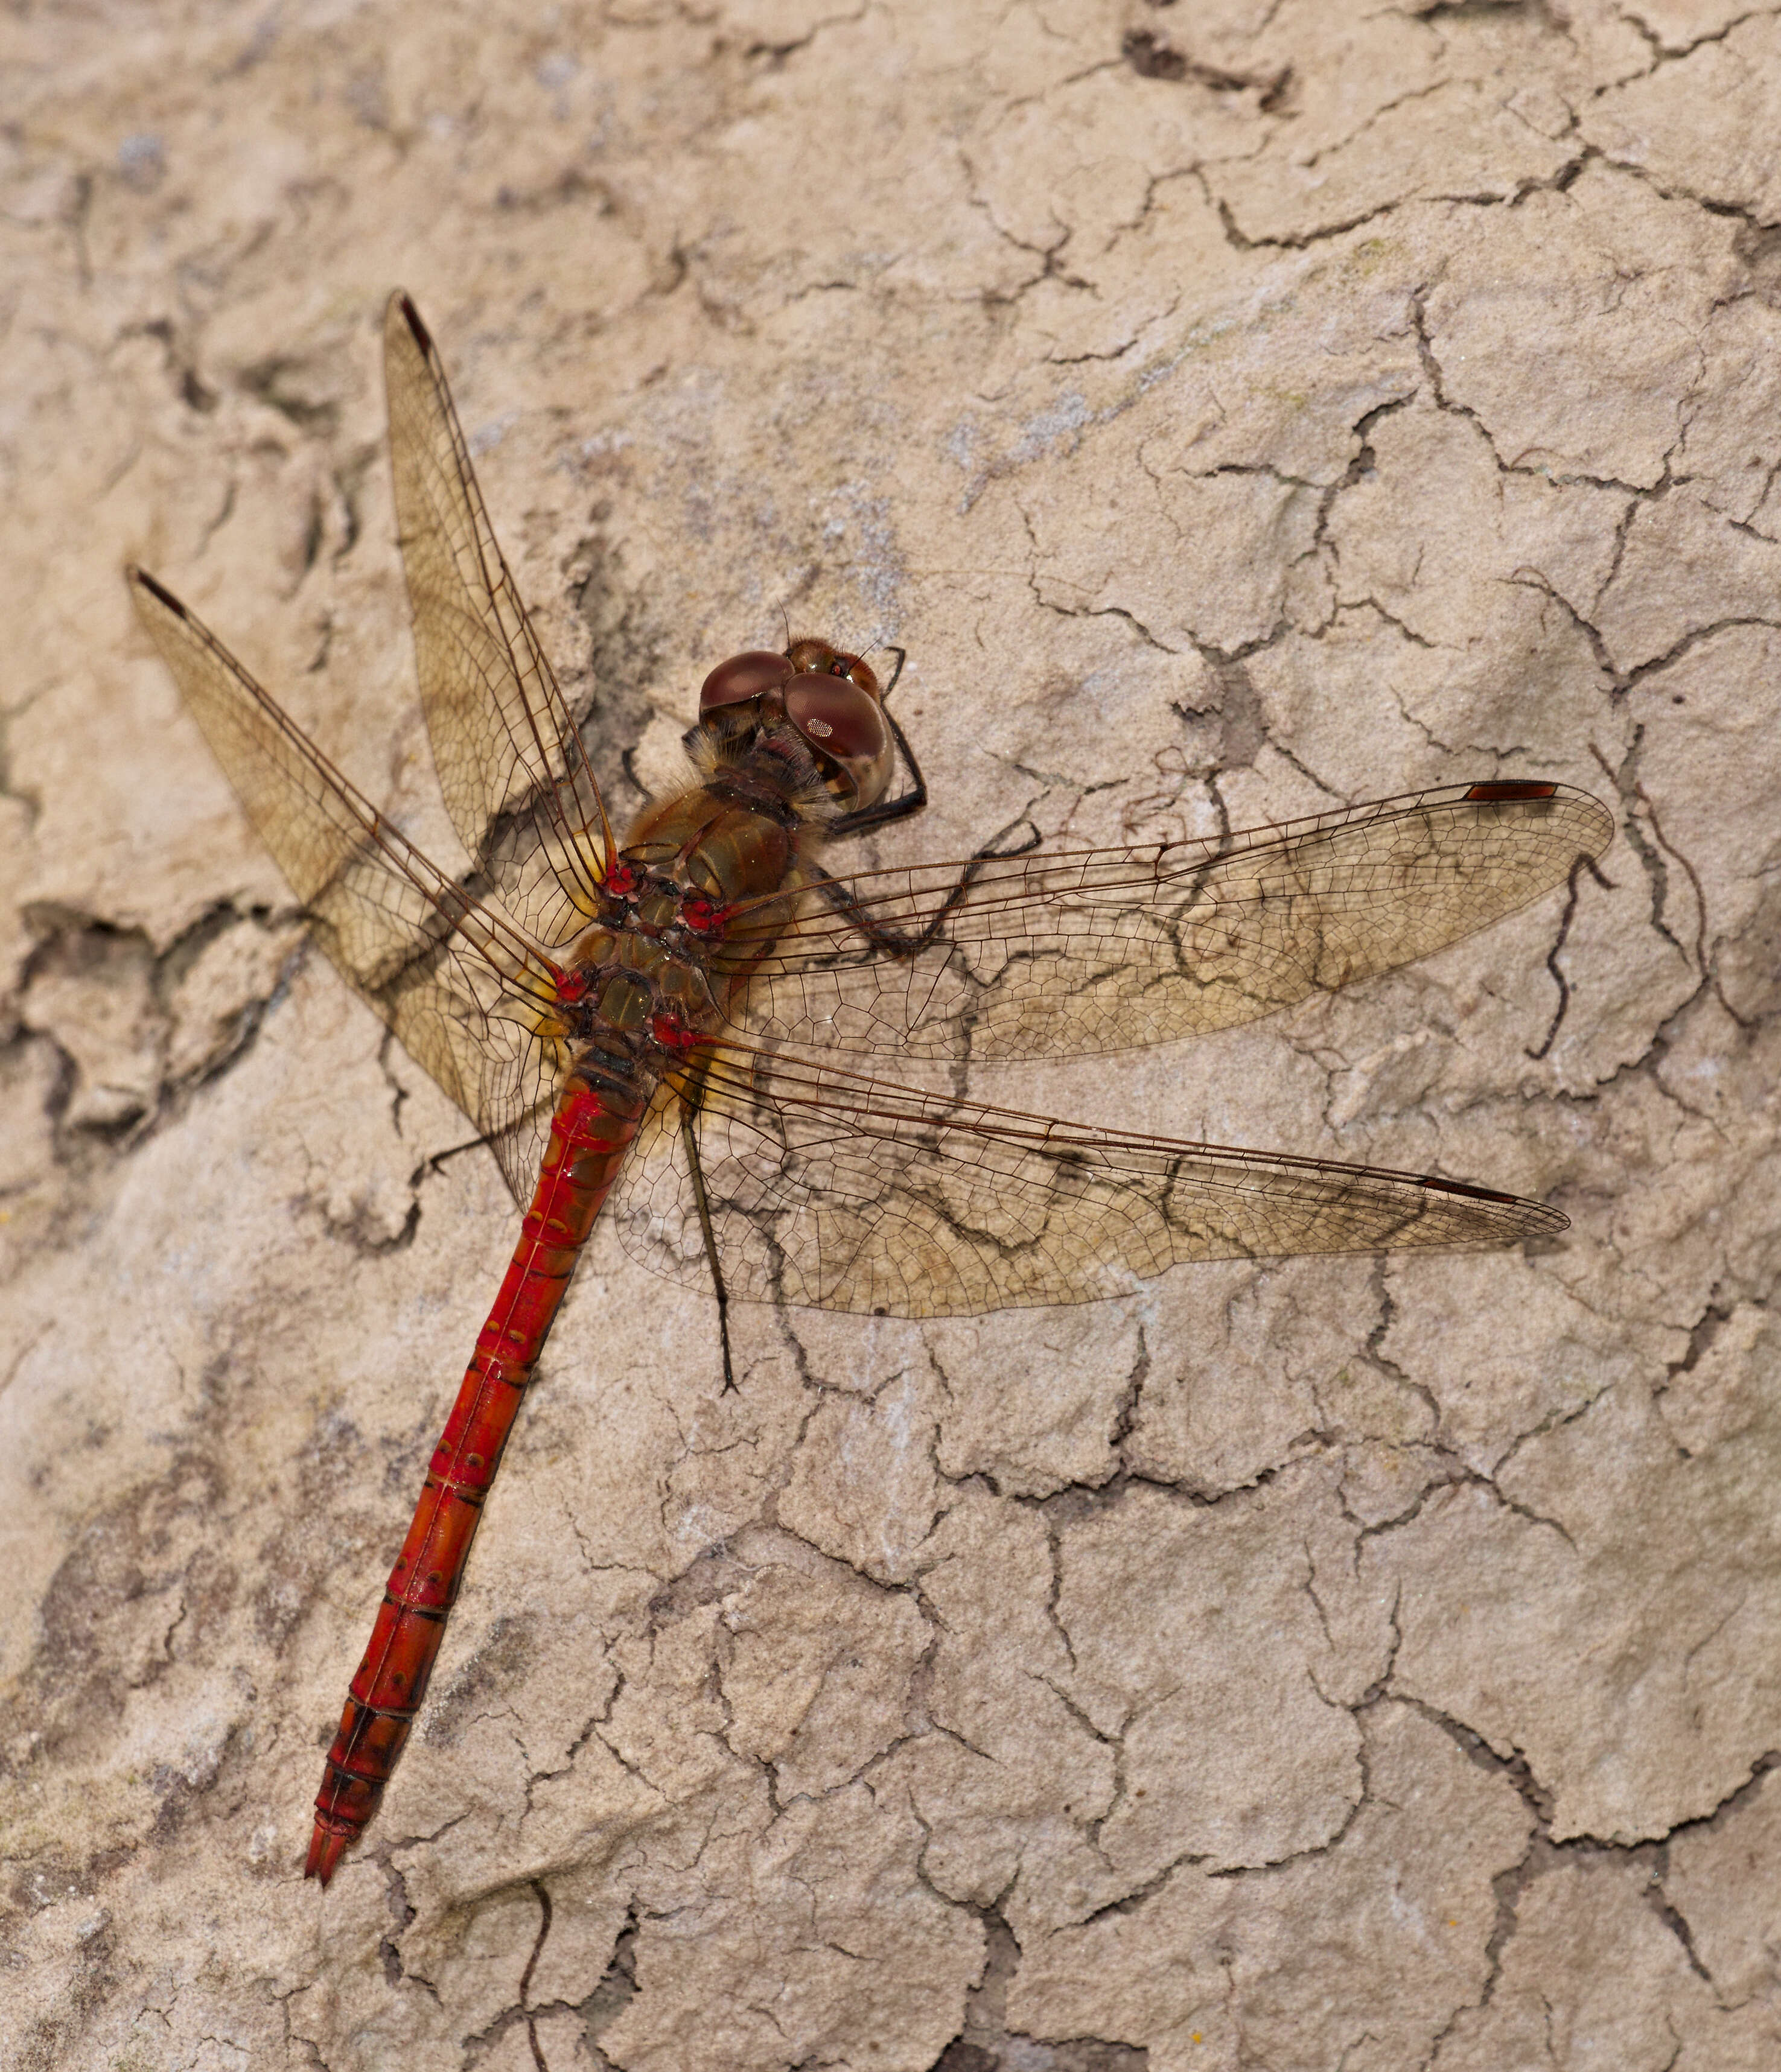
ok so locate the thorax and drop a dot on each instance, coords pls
(699, 891)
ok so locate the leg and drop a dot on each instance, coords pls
(893, 941)
(689, 1139)
(886, 809)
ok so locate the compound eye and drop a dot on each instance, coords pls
(743, 677)
(845, 726)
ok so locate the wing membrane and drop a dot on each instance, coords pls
(511, 761)
(1083, 951)
(459, 987)
(845, 1193)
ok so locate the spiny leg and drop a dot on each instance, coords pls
(689, 1137)
(894, 942)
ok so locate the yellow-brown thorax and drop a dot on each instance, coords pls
(707, 881)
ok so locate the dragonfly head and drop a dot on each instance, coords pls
(832, 701)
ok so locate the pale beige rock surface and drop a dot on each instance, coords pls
(1236, 409)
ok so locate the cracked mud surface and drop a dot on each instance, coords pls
(1235, 410)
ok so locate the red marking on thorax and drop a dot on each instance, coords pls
(669, 1033)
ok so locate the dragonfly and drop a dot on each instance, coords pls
(680, 1026)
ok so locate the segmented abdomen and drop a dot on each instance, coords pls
(589, 1134)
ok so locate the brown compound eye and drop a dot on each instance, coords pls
(743, 677)
(844, 724)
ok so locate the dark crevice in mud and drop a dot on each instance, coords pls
(1545, 1854)
(617, 1989)
(179, 362)
(79, 950)
(1470, 10)
(1242, 725)
(1652, 853)
(170, 1047)
(1536, 1052)
(357, 1232)
(1558, 181)
(1658, 1902)
(985, 2043)
(1240, 241)
(1621, 680)
(1668, 53)
(1516, 1769)
(1702, 1333)
(1360, 468)
(1125, 1411)
(280, 382)
(1758, 247)
(1074, 1501)
(540, 1893)
(1140, 1897)
(1731, 212)
(1728, 1808)
(570, 188)
(519, 2013)
(402, 1909)
(1664, 848)
(1376, 1357)
(1151, 55)
(1508, 1885)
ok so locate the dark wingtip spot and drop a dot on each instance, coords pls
(1475, 1194)
(412, 317)
(1489, 792)
(144, 581)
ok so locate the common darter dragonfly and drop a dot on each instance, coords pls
(680, 1025)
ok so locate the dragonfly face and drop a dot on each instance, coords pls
(832, 701)
(677, 1023)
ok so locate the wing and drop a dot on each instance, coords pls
(462, 991)
(1082, 950)
(511, 761)
(844, 1193)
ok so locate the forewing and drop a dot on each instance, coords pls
(459, 987)
(844, 1193)
(512, 765)
(1083, 951)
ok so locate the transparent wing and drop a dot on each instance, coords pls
(844, 1193)
(512, 765)
(462, 991)
(1081, 950)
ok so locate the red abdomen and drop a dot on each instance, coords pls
(589, 1134)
